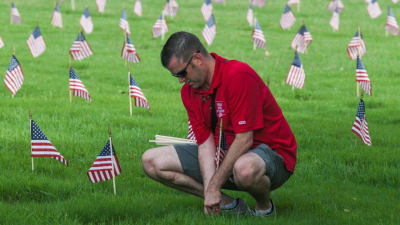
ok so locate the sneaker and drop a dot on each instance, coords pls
(240, 208)
(259, 213)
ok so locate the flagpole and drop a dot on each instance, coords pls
(359, 56)
(30, 131)
(298, 6)
(162, 27)
(73, 5)
(219, 142)
(254, 24)
(70, 91)
(125, 43)
(129, 88)
(112, 160)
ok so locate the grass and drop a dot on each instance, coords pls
(337, 180)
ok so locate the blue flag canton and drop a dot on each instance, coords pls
(208, 2)
(12, 5)
(128, 39)
(390, 12)
(72, 74)
(211, 21)
(373, 1)
(132, 81)
(337, 10)
(303, 29)
(296, 61)
(251, 5)
(257, 27)
(123, 15)
(361, 110)
(287, 9)
(360, 66)
(13, 63)
(36, 33)
(36, 133)
(80, 37)
(86, 12)
(107, 150)
(224, 145)
(57, 8)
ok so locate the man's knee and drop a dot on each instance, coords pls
(157, 163)
(248, 170)
(149, 162)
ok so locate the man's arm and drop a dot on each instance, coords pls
(240, 145)
(206, 153)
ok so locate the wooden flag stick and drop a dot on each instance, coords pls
(359, 55)
(125, 38)
(162, 27)
(112, 160)
(70, 91)
(30, 131)
(219, 142)
(73, 5)
(129, 91)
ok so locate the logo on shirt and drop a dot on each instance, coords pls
(219, 108)
(242, 122)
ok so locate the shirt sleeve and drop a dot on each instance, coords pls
(245, 98)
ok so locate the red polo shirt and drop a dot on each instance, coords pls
(245, 103)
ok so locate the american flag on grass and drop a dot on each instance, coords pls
(207, 9)
(80, 48)
(333, 4)
(76, 86)
(36, 43)
(86, 21)
(123, 22)
(101, 4)
(292, 2)
(1, 42)
(334, 22)
(258, 3)
(136, 93)
(222, 151)
(210, 30)
(287, 18)
(250, 15)
(41, 145)
(129, 52)
(56, 19)
(15, 16)
(106, 165)
(391, 24)
(302, 39)
(220, 1)
(160, 27)
(356, 46)
(360, 126)
(137, 9)
(14, 77)
(362, 77)
(296, 75)
(258, 36)
(170, 8)
(373, 9)
(190, 135)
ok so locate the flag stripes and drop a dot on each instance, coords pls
(14, 77)
(296, 75)
(36, 43)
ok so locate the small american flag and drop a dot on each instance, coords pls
(360, 126)
(36, 43)
(129, 52)
(356, 46)
(101, 4)
(15, 17)
(76, 86)
(258, 36)
(292, 2)
(302, 39)
(160, 27)
(86, 21)
(362, 77)
(207, 9)
(14, 77)
(56, 19)
(106, 165)
(391, 24)
(1, 43)
(373, 9)
(42, 147)
(250, 15)
(296, 75)
(395, 1)
(137, 9)
(80, 48)
(333, 4)
(171, 8)
(136, 93)
(222, 151)
(287, 18)
(210, 30)
(334, 22)
(190, 135)
(258, 3)
(123, 22)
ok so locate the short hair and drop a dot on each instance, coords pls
(181, 45)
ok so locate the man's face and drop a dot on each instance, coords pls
(193, 74)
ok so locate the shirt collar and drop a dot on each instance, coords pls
(217, 76)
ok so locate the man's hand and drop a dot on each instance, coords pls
(212, 199)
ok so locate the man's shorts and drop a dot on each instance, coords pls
(276, 170)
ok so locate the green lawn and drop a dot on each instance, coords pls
(338, 180)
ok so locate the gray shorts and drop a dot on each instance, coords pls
(276, 170)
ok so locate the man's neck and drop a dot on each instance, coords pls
(210, 72)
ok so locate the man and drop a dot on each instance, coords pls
(258, 147)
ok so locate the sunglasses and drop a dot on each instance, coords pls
(183, 72)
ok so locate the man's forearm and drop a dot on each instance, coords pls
(206, 154)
